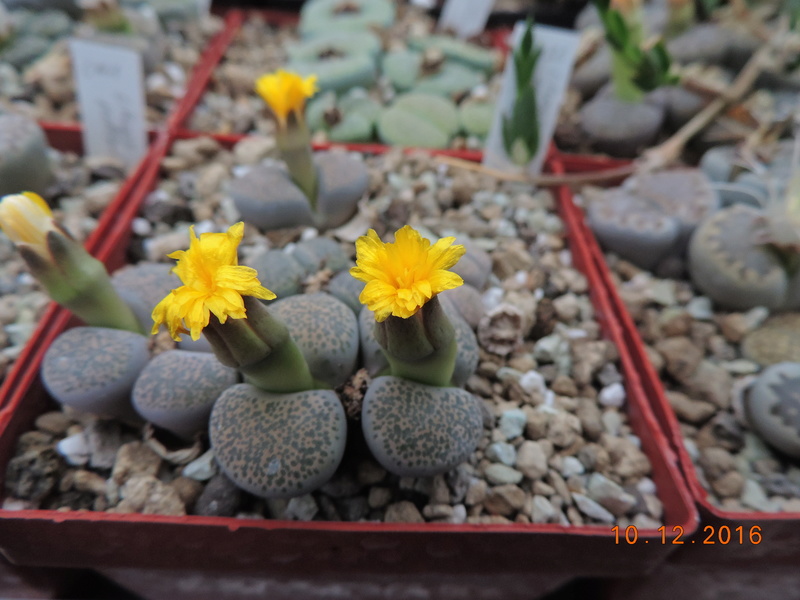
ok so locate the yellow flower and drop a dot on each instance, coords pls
(402, 276)
(25, 218)
(213, 283)
(286, 92)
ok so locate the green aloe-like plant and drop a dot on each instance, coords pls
(521, 127)
(637, 69)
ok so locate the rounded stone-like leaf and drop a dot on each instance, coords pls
(636, 231)
(325, 330)
(728, 268)
(620, 128)
(347, 289)
(777, 340)
(322, 16)
(476, 116)
(416, 430)
(24, 163)
(320, 253)
(356, 113)
(341, 61)
(772, 405)
(144, 285)
(467, 354)
(372, 357)
(93, 369)
(266, 197)
(459, 51)
(343, 180)
(280, 272)
(422, 120)
(177, 389)
(278, 445)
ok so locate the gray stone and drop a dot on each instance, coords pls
(542, 511)
(609, 494)
(612, 395)
(501, 474)
(531, 460)
(592, 509)
(220, 498)
(512, 423)
(501, 452)
(571, 466)
(403, 512)
(202, 468)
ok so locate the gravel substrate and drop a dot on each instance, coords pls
(698, 353)
(81, 190)
(556, 445)
(45, 91)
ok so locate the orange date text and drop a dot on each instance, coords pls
(710, 535)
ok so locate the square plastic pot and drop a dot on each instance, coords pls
(768, 540)
(211, 557)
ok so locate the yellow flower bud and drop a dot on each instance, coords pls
(26, 219)
(286, 92)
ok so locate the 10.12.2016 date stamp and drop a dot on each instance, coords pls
(711, 535)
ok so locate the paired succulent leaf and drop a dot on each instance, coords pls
(521, 128)
(650, 67)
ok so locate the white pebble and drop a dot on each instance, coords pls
(565, 257)
(492, 298)
(309, 233)
(206, 226)
(646, 486)
(571, 466)
(700, 308)
(533, 382)
(141, 227)
(74, 449)
(612, 395)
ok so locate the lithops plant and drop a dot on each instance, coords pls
(429, 72)
(141, 286)
(266, 196)
(777, 340)
(330, 184)
(413, 419)
(281, 433)
(732, 262)
(348, 119)
(321, 16)
(177, 389)
(421, 120)
(652, 216)
(341, 61)
(24, 162)
(772, 406)
(93, 369)
(460, 51)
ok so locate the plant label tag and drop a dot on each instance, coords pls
(551, 78)
(110, 90)
(465, 17)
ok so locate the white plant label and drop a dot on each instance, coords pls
(465, 17)
(551, 78)
(110, 90)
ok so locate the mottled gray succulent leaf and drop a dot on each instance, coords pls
(460, 51)
(631, 228)
(346, 288)
(414, 430)
(320, 253)
(177, 389)
(326, 332)
(476, 116)
(772, 405)
(727, 267)
(280, 272)
(621, 128)
(372, 356)
(278, 445)
(144, 285)
(93, 369)
(775, 341)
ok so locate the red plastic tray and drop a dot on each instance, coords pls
(780, 531)
(212, 548)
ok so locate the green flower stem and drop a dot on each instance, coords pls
(294, 144)
(261, 348)
(79, 282)
(421, 348)
(622, 74)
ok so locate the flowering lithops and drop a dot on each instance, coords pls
(414, 422)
